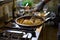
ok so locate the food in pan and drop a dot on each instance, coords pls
(20, 21)
(28, 22)
(38, 21)
(41, 14)
(31, 21)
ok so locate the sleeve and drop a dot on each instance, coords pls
(41, 4)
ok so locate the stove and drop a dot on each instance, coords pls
(15, 32)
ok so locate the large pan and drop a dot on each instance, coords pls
(29, 26)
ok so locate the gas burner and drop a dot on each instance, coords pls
(14, 34)
(17, 32)
(28, 34)
(16, 26)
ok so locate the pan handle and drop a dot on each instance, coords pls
(47, 18)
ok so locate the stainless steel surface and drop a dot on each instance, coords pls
(17, 35)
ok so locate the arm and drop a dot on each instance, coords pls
(41, 5)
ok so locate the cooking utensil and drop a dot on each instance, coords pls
(29, 26)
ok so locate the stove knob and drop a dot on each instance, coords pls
(29, 35)
(4, 34)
